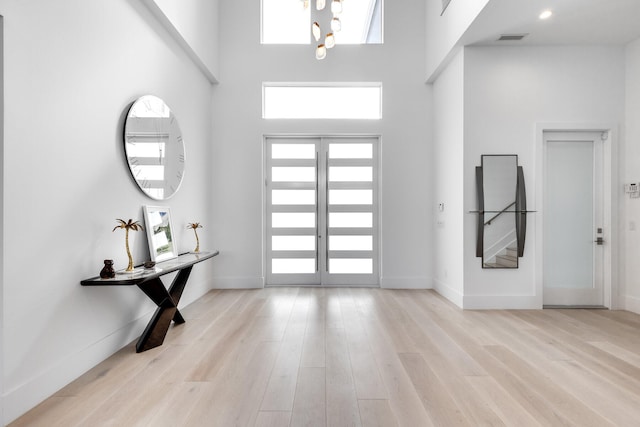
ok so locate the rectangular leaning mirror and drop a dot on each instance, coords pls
(499, 231)
(162, 245)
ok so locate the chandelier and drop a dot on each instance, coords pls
(335, 25)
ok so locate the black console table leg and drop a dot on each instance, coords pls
(167, 302)
(176, 289)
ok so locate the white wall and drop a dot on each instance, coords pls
(448, 165)
(72, 68)
(632, 174)
(444, 31)
(406, 209)
(507, 91)
(191, 23)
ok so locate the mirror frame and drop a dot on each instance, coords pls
(519, 212)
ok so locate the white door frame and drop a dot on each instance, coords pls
(610, 196)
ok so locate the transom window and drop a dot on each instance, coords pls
(289, 21)
(322, 101)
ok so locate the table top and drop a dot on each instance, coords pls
(141, 274)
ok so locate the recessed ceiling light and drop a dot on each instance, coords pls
(545, 15)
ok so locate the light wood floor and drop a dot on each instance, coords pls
(370, 357)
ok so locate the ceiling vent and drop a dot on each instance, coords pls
(511, 37)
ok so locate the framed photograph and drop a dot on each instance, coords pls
(162, 244)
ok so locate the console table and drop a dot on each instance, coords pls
(148, 280)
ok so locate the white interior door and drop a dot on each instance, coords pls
(322, 211)
(574, 231)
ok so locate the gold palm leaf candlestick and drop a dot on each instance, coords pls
(129, 225)
(195, 226)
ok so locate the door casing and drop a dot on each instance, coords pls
(610, 217)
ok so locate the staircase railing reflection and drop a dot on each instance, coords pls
(499, 213)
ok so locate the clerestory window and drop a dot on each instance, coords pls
(322, 100)
(289, 21)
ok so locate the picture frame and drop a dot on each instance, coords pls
(160, 233)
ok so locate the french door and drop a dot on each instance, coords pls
(322, 211)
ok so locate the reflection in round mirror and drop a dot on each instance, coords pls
(154, 148)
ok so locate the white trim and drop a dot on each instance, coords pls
(610, 202)
(405, 282)
(501, 302)
(229, 282)
(448, 292)
(631, 304)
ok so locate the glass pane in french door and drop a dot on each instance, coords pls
(292, 211)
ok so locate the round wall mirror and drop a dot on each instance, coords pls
(154, 147)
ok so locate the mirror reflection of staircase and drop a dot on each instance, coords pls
(507, 258)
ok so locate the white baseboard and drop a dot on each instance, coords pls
(448, 292)
(632, 304)
(250, 282)
(404, 282)
(501, 302)
(21, 399)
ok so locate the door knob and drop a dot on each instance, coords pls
(599, 241)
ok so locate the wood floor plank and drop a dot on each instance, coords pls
(45, 414)
(440, 405)
(313, 347)
(364, 368)
(532, 348)
(436, 344)
(376, 413)
(618, 352)
(501, 402)
(309, 407)
(176, 407)
(565, 405)
(605, 364)
(118, 405)
(273, 419)
(605, 400)
(395, 323)
(341, 400)
(284, 376)
(234, 397)
(526, 396)
(620, 316)
(403, 399)
(361, 356)
(221, 344)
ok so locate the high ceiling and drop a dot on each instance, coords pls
(573, 22)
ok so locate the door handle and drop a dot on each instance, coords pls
(599, 241)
